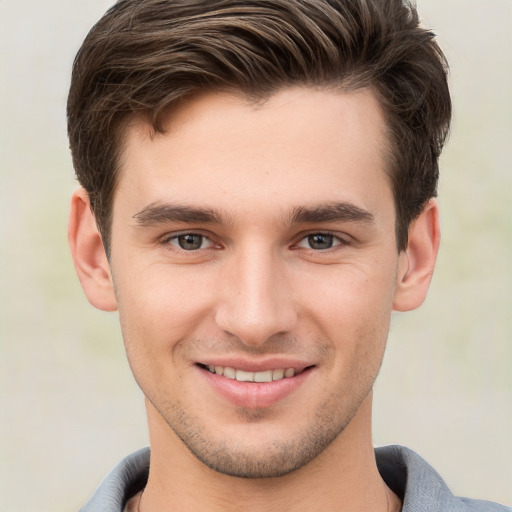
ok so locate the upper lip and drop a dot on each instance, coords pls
(255, 365)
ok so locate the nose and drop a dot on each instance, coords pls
(256, 303)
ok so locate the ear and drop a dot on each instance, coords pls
(88, 253)
(417, 262)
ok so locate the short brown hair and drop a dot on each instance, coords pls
(145, 55)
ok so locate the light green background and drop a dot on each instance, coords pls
(69, 408)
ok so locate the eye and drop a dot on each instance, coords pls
(189, 241)
(319, 241)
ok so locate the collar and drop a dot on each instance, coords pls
(418, 484)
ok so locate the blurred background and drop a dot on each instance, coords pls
(69, 408)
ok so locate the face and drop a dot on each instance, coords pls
(254, 262)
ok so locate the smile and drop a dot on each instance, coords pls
(245, 376)
(255, 385)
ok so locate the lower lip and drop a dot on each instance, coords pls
(255, 395)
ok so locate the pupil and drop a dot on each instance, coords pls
(320, 241)
(190, 242)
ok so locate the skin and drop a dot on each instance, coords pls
(291, 260)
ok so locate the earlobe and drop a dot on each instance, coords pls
(417, 262)
(88, 253)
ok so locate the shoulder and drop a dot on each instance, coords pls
(421, 487)
(125, 480)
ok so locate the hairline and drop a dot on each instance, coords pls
(155, 126)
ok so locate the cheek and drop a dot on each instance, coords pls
(160, 302)
(349, 295)
(353, 313)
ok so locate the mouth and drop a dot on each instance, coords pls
(255, 385)
(239, 375)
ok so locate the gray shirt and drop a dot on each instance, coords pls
(419, 486)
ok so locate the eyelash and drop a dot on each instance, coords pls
(338, 241)
(167, 240)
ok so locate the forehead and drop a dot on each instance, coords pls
(300, 145)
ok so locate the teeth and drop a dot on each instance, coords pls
(277, 374)
(230, 373)
(243, 376)
(263, 376)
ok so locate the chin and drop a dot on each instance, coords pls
(257, 451)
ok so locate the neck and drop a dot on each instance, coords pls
(343, 477)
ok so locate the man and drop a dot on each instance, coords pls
(258, 195)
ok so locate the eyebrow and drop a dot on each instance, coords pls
(331, 212)
(157, 213)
